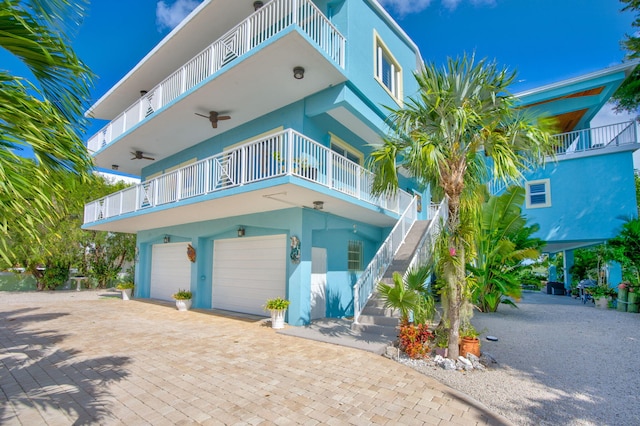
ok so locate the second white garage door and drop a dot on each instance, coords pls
(170, 270)
(248, 271)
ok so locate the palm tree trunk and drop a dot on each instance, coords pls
(454, 274)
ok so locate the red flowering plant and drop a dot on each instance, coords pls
(414, 339)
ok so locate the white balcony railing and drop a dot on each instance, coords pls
(283, 153)
(596, 138)
(273, 18)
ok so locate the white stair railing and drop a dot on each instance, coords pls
(425, 250)
(365, 286)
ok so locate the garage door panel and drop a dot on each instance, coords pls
(170, 270)
(248, 271)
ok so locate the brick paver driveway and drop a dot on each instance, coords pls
(67, 359)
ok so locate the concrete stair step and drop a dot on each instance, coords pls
(378, 320)
(378, 330)
(377, 310)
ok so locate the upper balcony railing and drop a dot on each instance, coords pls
(283, 153)
(584, 141)
(273, 18)
(596, 138)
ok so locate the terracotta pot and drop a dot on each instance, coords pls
(469, 345)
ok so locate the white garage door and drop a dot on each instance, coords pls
(247, 272)
(170, 270)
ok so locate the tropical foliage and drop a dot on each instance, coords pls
(625, 248)
(62, 243)
(627, 97)
(459, 129)
(502, 243)
(43, 117)
(410, 295)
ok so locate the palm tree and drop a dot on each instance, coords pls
(460, 128)
(43, 116)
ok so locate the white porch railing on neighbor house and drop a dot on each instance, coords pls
(596, 138)
(283, 153)
(273, 18)
(365, 286)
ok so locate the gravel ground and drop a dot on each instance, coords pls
(559, 362)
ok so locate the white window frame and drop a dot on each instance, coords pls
(381, 51)
(336, 142)
(547, 193)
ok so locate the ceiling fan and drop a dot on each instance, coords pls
(139, 155)
(214, 117)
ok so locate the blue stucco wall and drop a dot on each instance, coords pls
(582, 210)
(314, 228)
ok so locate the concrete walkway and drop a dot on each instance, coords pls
(89, 358)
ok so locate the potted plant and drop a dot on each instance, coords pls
(469, 342)
(600, 294)
(277, 308)
(126, 289)
(183, 300)
(441, 341)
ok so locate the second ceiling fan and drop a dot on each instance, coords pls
(213, 117)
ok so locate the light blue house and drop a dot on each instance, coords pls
(250, 125)
(582, 197)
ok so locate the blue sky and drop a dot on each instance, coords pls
(544, 40)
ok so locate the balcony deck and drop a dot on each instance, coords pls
(280, 170)
(293, 25)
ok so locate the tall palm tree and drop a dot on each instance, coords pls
(43, 116)
(460, 128)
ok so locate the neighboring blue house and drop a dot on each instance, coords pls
(582, 197)
(250, 125)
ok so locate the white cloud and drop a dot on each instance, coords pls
(405, 7)
(168, 16)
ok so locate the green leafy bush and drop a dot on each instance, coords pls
(183, 295)
(277, 304)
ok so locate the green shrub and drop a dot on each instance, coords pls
(183, 295)
(277, 303)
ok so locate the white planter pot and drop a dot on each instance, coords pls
(602, 303)
(126, 293)
(277, 318)
(183, 305)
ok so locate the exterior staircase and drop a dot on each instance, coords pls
(375, 319)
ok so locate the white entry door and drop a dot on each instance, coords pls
(248, 271)
(170, 270)
(318, 283)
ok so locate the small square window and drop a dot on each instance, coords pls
(355, 257)
(538, 194)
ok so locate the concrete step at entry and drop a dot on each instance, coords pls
(379, 330)
(378, 320)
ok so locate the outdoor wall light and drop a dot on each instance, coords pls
(298, 73)
(257, 5)
(114, 167)
(143, 92)
(167, 239)
(318, 205)
(241, 232)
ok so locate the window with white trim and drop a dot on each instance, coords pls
(538, 194)
(355, 256)
(345, 150)
(387, 70)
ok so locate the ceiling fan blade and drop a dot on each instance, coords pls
(148, 158)
(224, 117)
